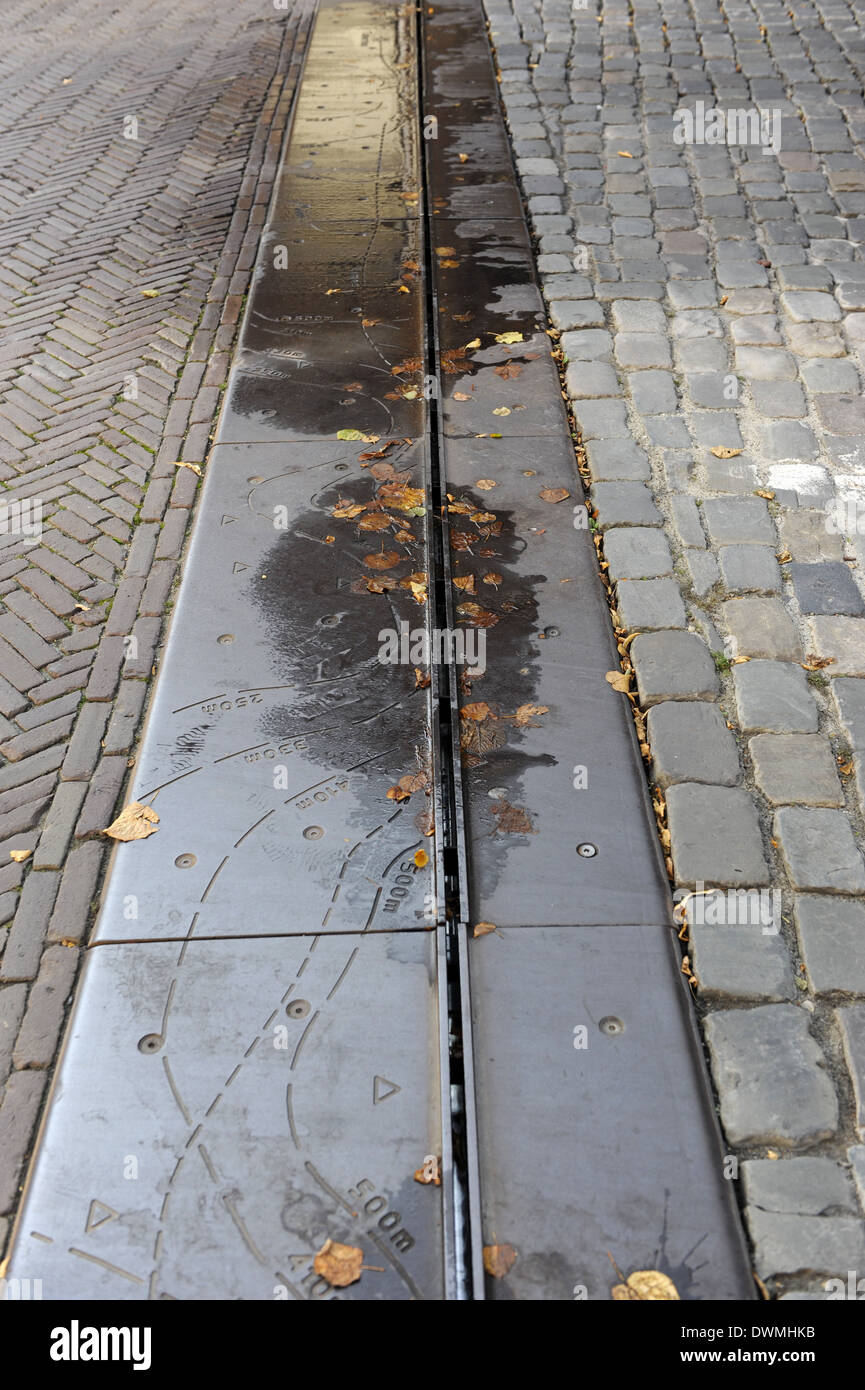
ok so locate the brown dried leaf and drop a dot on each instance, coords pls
(478, 711)
(339, 1264)
(466, 582)
(493, 578)
(526, 713)
(722, 452)
(383, 560)
(483, 928)
(379, 586)
(486, 484)
(378, 521)
(481, 617)
(462, 540)
(346, 511)
(421, 678)
(461, 396)
(508, 370)
(553, 494)
(618, 680)
(135, 822)
(512, 820)
(499, 1259)
(411, 364)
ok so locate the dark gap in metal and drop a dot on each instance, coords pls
(445, 708)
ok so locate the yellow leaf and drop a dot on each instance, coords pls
(339, 1264)
(553, 494)
(421, 858)
(509, 338)
(463, 159)
(721, 452)
(486, 484)
(475, 343)
(498, 1259)
(150, 294)
(135, 822)
(195, 467)
(646, 1284)
(625, 155)
(502, 410)
(19, 855)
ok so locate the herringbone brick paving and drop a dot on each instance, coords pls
(137, 155)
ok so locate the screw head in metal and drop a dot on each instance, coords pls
(611, 1026)
(587, 851)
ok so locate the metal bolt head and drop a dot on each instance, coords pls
(611, 1026)
(587, 851)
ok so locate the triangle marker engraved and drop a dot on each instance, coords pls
(382, 1089)
(99, 1215)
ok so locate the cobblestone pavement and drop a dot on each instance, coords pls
(710, 296)
(139, 147)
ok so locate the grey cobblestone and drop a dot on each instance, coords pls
(819, 850)
(795, 769)
(734, 962)
(690, 742)
(673, 666)
(770, 1076)
(832, 938)
(715, 836)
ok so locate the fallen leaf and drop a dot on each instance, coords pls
(763, 492)
(135, 822)
(403, 289)
(376, 453)
(421, 858)
(512, 820)
(466, 582)
(346, 511)
(377, 586)
(478, 711)
(481, 617)
(486, 484)
(502, 410)
(553, 494)
(462, 318)
(339, 1264)
(150, 294)
(421, 679)
(508, 370)
(526, 713)
(722, 452)
(448, 264)
(493, 578)
(625, 155)
(816, 663)
(475, 343)
(369, 323)
(464, 159)
(646, 1284)
(483, 928)
(377, 521)
(383, 560)
(462, 540)
(411, 364)
(446, 250)
(358, 435)
(196, 468)
(461, 396)
(498, 1259)
(329, 540)
(618, 680)
(333, 292)
(509, 338)
(19, 855)
(479, 517)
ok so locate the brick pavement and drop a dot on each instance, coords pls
(710, 297)
(138, 152)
